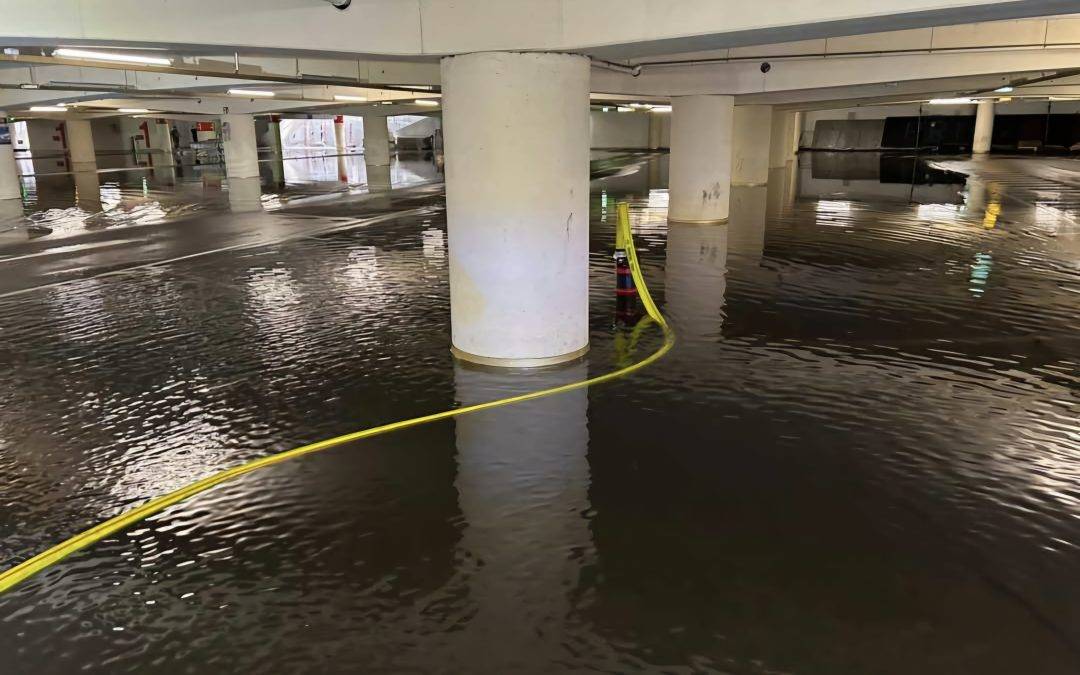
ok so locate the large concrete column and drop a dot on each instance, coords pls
(984, 126)
(241, 146)
(161, 143)
(752, 131)
(517, 200)
(700, 176)
(245, 194)
(80, 140)
(277, 161)
(10, 187)
(275, 135)
(376, 141)
(784, 144)
(656, 130)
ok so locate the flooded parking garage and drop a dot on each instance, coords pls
(507, 336)
(860, 451)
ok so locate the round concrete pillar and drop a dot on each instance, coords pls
(10, 186)
(80, 140)
(517, 200)
(339, 134)
(241, 146)
(700, 174)
(984, 126)
(376, 141)
(752, 131)
(340, 149)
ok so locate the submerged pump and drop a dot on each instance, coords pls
(626, 293)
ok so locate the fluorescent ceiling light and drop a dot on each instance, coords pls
(661, 108)
(387, 103)
(951, 101)
(343, 97)
(1003, 90)
(624, 109)
(425, 101)
(109, 56)
(250, 92)
(47, 108)
(132, 110)
(28, 86)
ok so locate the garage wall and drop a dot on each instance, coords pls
(619, 129)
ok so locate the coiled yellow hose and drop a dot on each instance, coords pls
(23, 571)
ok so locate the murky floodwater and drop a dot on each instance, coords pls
(862, 456)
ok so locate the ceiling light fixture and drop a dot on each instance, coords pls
(109, 56)
(661, 109)
(1003, 90)
(250, 92)
(344, 97)
(951, 101)
(132, 110)
(47, 108)
(425, 101)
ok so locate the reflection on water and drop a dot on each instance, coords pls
(861, 456)
(72, 203)
(878, 177)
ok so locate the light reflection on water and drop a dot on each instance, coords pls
(70, 203)
(851, 462)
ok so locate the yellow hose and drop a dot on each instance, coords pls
(23, 571)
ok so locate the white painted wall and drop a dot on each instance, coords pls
(619, 129)
(627, 129)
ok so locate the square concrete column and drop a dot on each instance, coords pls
(80, 140)
(656, 130)
(517, 200)
(376, 141)
(701, 147)
(161, 143)
(241, 146)
(752, 136)
(984, 126)
(783, 147)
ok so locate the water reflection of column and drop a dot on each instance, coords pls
(696, 278)
(783, 187)
(87, 190)
(245, 194)
(746, 224)
(378, 177)
(11, 219)
(976, 195)
(523, 480)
